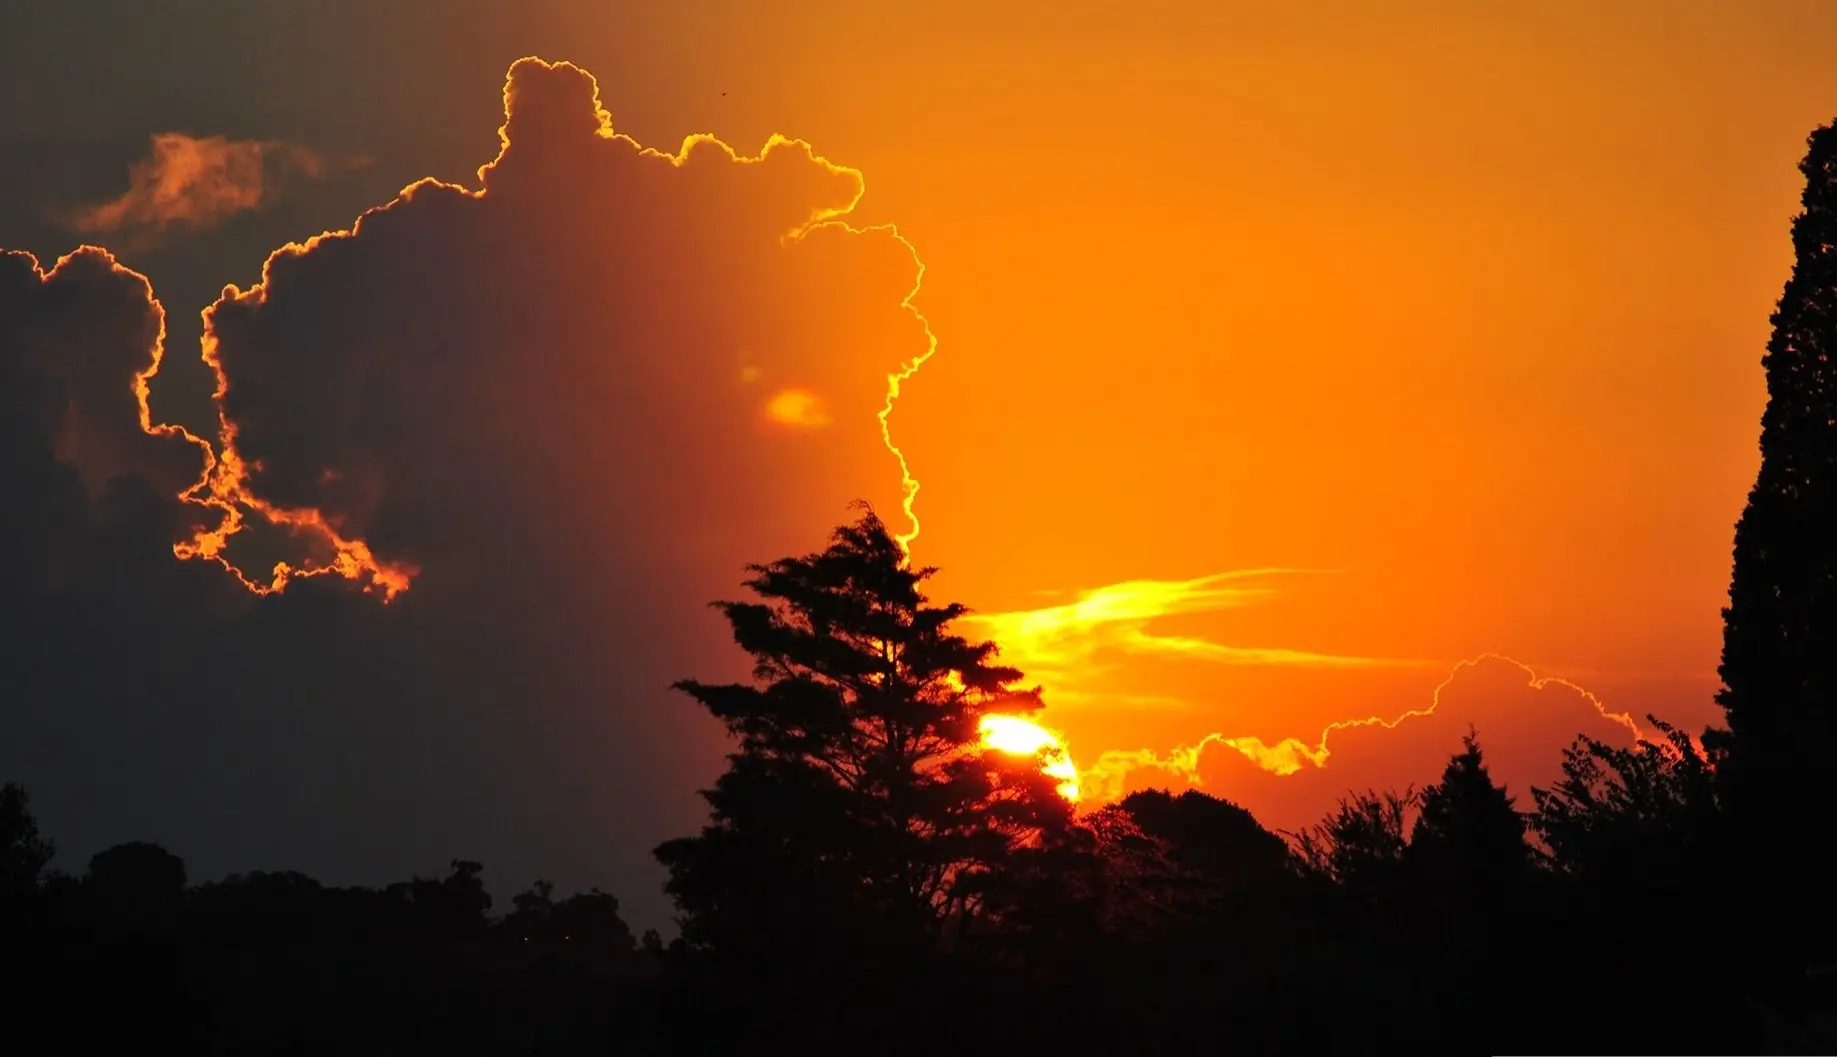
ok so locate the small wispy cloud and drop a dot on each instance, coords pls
(190, 183)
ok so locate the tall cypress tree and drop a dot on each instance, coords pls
(1779, 653)
(1778, 761)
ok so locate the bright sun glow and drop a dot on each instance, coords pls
(1021, 737)
(797, 407)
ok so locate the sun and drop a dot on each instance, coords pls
(797, 407)
(1022, 737)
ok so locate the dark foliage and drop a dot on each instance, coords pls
(276, 963)
(24, 854)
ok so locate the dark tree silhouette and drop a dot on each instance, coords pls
(1467, 832)
(1779, 652)
(136, 889)
(24, 854)
(1360, 845)
(1143, 889)
(131, 905)
(1217, 841)
(1640, 833)
(535, 904)
(1627, 815)
(860, 830)
(1471, 899)
(860, 782)
(1779, 647)
(592, 918)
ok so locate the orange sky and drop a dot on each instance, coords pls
(1453, 311)
(1465, 304)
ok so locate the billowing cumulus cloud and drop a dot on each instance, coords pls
(557, 349)
(544, 417)
(191, 183)
(88, 335)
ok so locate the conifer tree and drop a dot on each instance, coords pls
(1468, 834)
(860, 801)
(1779, 653)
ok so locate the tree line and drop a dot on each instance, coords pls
(872, 879)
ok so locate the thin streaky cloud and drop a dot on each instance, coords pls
(1116, 617)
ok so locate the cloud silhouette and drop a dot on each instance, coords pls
(88, 334)
(192, 183)
(543, 415)
(1524, 717)
(558, 347)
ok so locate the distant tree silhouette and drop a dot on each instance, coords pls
(592, 919)
(1468, 833)
(1211, 836)
(131, 907)
(24, 854)
(1144, 890)
(1627, 815)
(136, 889)
(1473, 899)
(533, 905)
(1361, 845)
(1638, 833)
(1173, 857)
(452, 908)
(1779, 652)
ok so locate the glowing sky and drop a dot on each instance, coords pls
(1289, 356)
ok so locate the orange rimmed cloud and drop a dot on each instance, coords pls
(193, 183)
(92, 334)
(511, 408)
(698, 249)
(579, 238)
(1115, 771)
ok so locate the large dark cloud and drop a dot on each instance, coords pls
(560, 399)
(83, 339)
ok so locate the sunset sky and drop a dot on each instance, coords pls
(1288, 355)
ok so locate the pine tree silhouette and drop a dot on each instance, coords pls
(1468, 833)
(861, 831)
